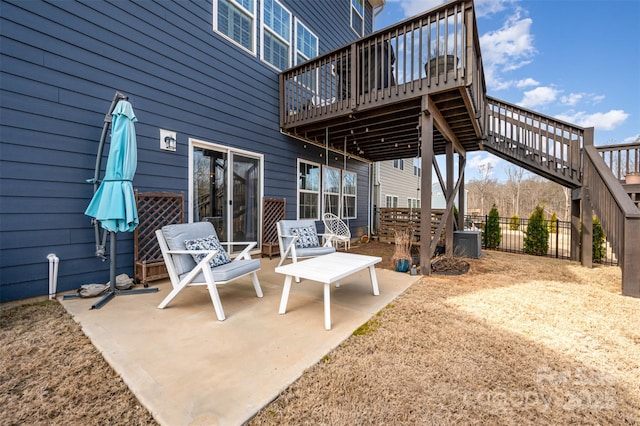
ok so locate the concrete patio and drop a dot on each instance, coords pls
(187, 368)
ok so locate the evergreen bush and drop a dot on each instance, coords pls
(599, 251)
(553, 223)
(491, 234)
(514, 223)
(536, 240)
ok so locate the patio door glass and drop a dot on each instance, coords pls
(227, 192)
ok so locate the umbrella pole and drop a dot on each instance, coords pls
(113, 291)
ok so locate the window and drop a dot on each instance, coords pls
(234, 19)
(306, 43)
(331, 190)
(416, 170)
(391, 201)
(349, 193)
(276, 34)
(398, 164)
(413, 203)
(357, 16)
(308, 190)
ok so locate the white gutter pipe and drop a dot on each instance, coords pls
(53, 274)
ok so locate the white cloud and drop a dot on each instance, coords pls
(539, 96)
(527, 82)
(507, 49)
(574, 99)
(483, 7)
(632, 139)
(476, 160)
(599, 120)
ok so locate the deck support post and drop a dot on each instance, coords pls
(426, 183)
(450, 195)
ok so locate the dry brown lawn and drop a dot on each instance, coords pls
(516, 340)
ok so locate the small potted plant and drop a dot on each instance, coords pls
(402, 253)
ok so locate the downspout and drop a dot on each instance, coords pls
(53, 274)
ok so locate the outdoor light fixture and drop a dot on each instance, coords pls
(168, 141)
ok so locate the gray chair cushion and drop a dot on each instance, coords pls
(287, 225)
(314, 251)
(175, 235)
(230, 270)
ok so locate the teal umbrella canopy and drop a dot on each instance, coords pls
(113, 204)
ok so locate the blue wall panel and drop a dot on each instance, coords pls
(61, 64)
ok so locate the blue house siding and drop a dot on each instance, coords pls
(62, 62)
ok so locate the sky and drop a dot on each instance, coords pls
(575, 60)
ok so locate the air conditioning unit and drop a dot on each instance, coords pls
(467, 244)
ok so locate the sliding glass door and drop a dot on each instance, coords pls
(226, 191)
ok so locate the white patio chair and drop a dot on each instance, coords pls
(182, 243)
(298, 239)
(340, 233)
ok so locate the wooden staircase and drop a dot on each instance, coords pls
(565, 154)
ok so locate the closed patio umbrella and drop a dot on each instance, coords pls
(113, 204)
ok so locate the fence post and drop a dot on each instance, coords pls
(557, 235)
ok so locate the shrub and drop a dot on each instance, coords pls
(514, 223)
(536, 240)
(599, 250)
(553, 223)
(491, 233)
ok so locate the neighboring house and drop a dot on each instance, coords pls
(397, 184)
(206, 71)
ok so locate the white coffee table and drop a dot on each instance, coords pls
(327, 269)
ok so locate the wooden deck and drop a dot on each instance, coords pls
(366, 99)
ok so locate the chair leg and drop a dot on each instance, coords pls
(215, 298)
(173, 293)
(256, 284)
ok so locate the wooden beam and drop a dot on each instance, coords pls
(443, 127)
(426, 183)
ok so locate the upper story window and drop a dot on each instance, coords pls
(276, 34)
(398, 164)
(357, 16)
(234, 19)
(416, 170)
(306, 43)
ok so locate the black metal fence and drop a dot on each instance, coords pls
(513, 237)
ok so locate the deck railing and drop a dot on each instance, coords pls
(548, 146)
(430, 52)
(621, 159)
(619, 216)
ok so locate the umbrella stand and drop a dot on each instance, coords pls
(113, 291)
(100, 245)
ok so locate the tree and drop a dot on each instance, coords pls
(492, 235)
(516, 175)
(485, 183)
(514, 223)
(599, 251)
(536, 240)
(553, 223)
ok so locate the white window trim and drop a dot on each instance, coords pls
(274, 34)
(339, 193)
(354, 196)
(298, 190)
(351, 11)
(251, 13)
(393, 197)
(295, 41)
